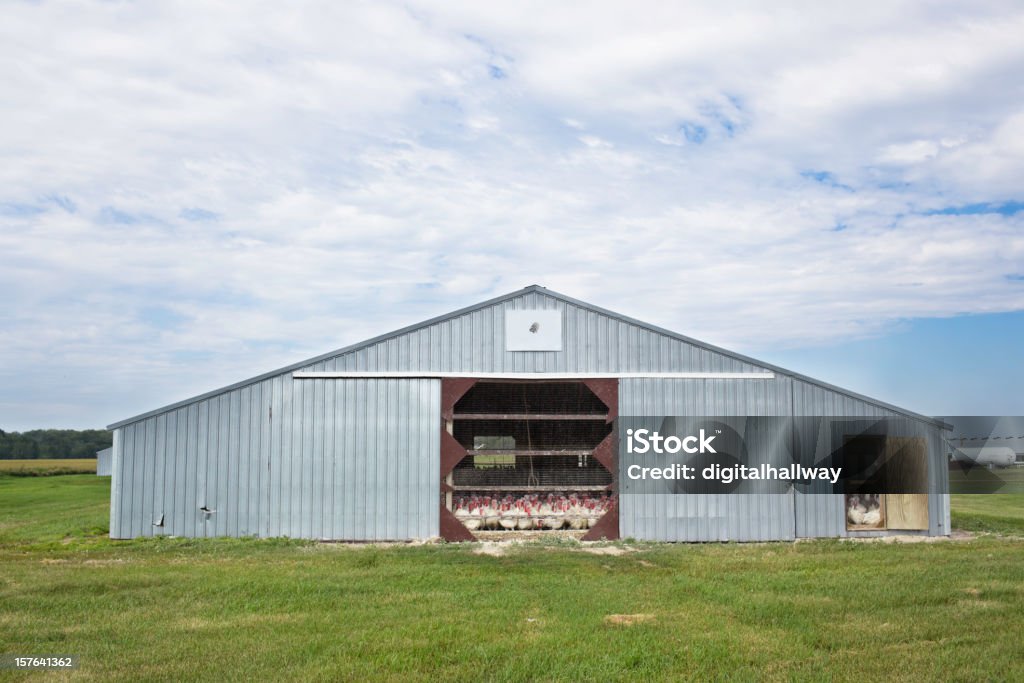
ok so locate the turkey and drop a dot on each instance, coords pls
(593, 513)
(856, 510)
(492, 516)
(551, 510)
(529, 511)
(873, 517)
(554, 520)
(525, 521)
(577, 515)
(508, 517)
(473, 519)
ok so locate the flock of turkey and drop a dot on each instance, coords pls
(531, 512)
(864, 509)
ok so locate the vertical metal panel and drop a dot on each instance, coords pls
(126, 508)
(155, 485)
(275, 472)
(358, 460)
(142, 443)
(116, 483)
(345, 513)
(120, 509)
(822, 514)
(390, 439)
(228, 488)
(705, 517)
(261, 482)
(191, 482)
(201, 474)
(327, 461)
(176, 520)
(291, 422)
(316, 449)
(241, 436)
(938, 471)
(166, 477)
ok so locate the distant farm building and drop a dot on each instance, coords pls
(103, 462)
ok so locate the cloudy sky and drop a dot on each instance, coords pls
(192, 193)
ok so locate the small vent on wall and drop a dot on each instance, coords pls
(537, 330)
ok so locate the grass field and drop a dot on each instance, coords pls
(1000, 513)
(47, 467)
(224, 609)
(983, 480)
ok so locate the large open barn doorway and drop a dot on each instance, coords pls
(886, 463)
(529, 457)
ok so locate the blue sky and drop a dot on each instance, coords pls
(192, 193)
(963, 365)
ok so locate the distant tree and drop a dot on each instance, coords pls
(53, 443)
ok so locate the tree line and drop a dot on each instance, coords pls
(53, 443)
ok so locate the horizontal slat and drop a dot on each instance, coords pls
(308, 374)
(553, 452)
(527, 416)
(538, 489)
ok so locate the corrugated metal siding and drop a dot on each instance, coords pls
(820, 515)
(350, 459)
(315, 458)
(476, 342)
(753, 517)
(705, 517)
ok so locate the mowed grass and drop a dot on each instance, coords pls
(998, 513)
(229, 609)
(44, 513)
(44, 467)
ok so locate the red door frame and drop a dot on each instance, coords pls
(452, 452)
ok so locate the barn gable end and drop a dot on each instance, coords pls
(357, 458)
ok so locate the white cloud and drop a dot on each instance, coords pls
(194, 192)
(593, 141)
(909, 152)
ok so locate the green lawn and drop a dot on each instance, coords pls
(998, 513)
(223, 609)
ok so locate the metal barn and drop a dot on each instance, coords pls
(497, 417)
(103, 462)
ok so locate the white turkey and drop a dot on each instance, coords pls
(525, 521)
(492, 516)
(856, 510)
(475, 519)
(508, 518)
(873, 517)
(577, 516)
(593, 514)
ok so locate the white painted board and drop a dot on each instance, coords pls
(533, 330)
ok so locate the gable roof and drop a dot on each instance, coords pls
(512, 295)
